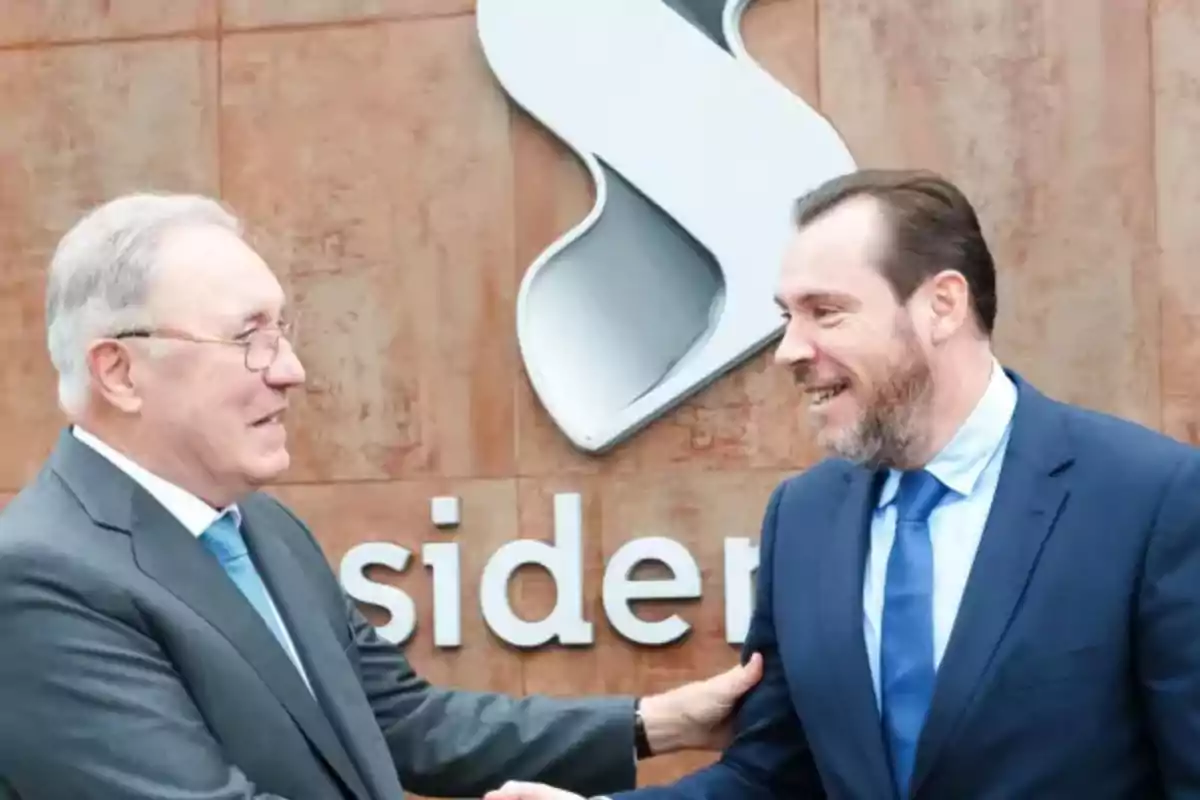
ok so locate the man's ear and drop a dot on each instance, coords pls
(949, 304)
(110, 364)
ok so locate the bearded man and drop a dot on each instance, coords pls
(983, 593)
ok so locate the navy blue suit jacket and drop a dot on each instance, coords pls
(1073, 668)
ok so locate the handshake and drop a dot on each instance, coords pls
(695, 716)
(519, 790)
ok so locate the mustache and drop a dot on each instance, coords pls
(805, 375)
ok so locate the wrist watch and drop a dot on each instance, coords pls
(640, 740)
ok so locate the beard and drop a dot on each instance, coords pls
(895, 406)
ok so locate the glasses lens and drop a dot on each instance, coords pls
(261, 350)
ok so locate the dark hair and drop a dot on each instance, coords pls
(933, 226)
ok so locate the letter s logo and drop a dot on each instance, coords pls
(698, 156)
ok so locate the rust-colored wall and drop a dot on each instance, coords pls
(400, 195)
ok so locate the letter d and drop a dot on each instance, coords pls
(564, 561)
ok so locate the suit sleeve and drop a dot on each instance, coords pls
(91, 706)
(769, 757)
(1168, 632)
(457, 743)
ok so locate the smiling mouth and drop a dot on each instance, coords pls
(820, 395)
(270, 419)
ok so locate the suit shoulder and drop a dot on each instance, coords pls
(815, 481)
(52, 555)
(44, 517)
(1125, 444)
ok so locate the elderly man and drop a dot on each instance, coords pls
(984, 593)
(170, 632)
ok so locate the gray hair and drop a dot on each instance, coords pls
(101, 272)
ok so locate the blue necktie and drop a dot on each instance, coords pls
(906, 648)
(224, 540)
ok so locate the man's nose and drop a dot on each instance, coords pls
(794, 348)
(287, 370)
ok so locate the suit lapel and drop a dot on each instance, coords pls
(1029, 497)
(169, 554)
(841, 596)
(334, 681)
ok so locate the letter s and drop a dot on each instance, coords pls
(353, 574)
(698, 156)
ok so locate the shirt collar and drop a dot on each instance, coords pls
(960, 463)
(192, 512)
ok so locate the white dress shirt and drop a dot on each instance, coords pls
(969, 465)
(193, 513)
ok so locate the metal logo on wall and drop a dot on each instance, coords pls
(697, 155)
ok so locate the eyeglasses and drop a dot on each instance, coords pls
(261, 345)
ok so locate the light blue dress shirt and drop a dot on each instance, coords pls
(970, 466)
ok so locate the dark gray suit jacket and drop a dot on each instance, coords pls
(132, 667)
